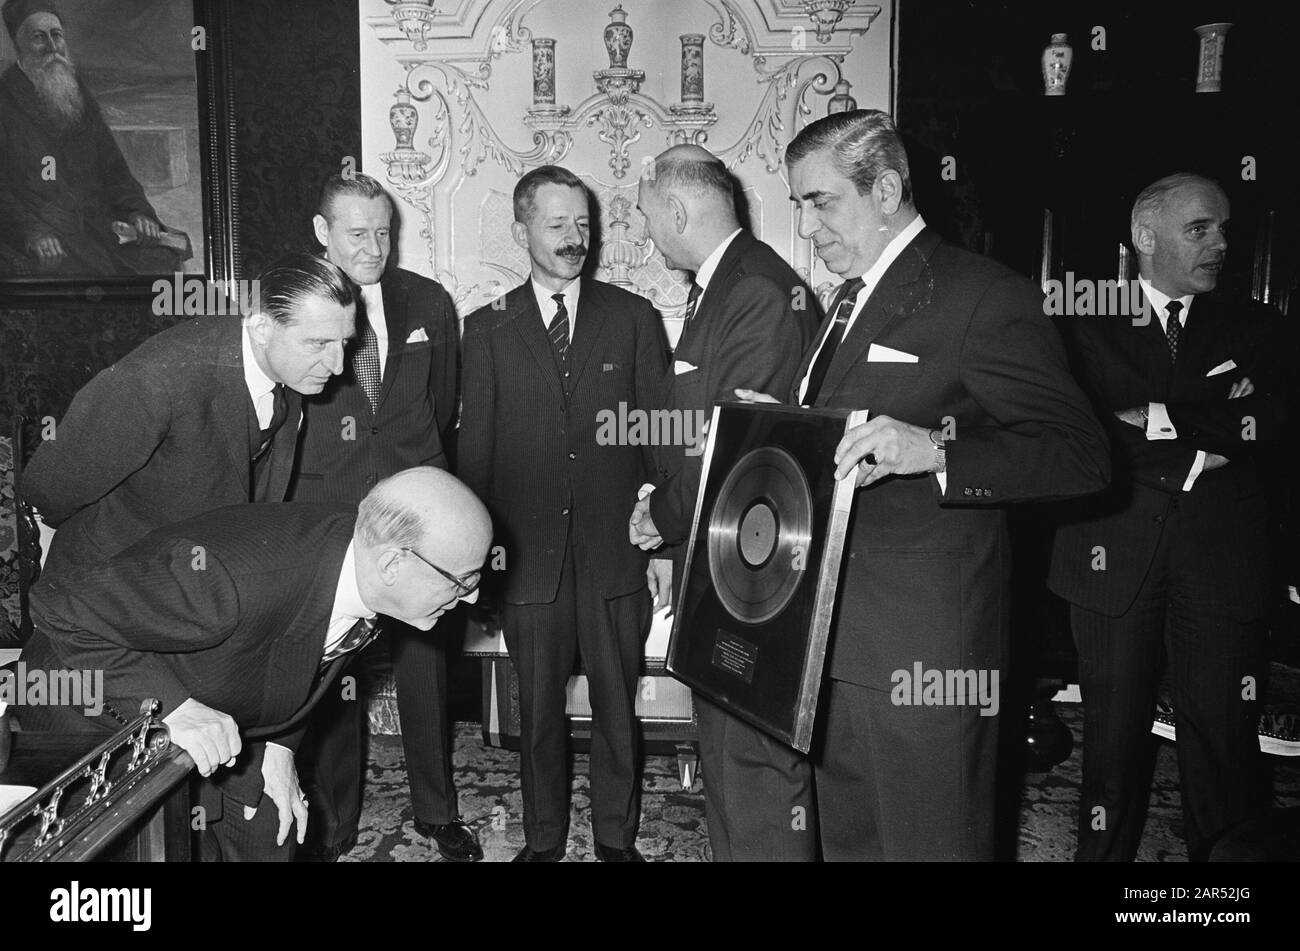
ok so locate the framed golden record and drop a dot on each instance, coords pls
(762, 564)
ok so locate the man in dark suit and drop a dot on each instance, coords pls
(386, 412)
(545, 370)
(201, 415)
(747, 314)
(240, 619)
(1176, 555)
(972, 408)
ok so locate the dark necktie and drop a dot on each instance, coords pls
(847, 301)
(1173, 329)
(559, 329)
(691, 300)
(357, 637)
(365, 362)
(278, 416)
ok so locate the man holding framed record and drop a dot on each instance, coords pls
(973, 407)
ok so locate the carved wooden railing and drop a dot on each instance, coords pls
(99, 798)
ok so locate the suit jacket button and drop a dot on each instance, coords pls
(564, 511)
(968, 491)
(573, 455)
(374, 430)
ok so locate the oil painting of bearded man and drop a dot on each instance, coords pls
(69, 203)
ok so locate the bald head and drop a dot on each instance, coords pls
(417, 532)
(688, 198)
(428, 507)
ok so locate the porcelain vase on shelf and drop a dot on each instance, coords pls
(544, 71)
(618, 38)
(841, 101)
(1057, 57)
(1209, 70)
(402, 119)
(692, 67)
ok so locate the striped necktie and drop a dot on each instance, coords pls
(848, 300)
(357, 637)
(559, 328)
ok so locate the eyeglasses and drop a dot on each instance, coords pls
(464, 586)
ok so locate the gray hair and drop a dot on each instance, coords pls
(697, 176)
(385, 520)
(1150, 202)
(863, 144)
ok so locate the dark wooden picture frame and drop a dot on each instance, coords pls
(218, 170)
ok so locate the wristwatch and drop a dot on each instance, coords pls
(940, 452)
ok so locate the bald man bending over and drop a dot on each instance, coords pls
(747, 316)
(241, 619)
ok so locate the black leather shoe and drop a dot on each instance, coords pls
(608, 853)
(547, 855)
(455, 840)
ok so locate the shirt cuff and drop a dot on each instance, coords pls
(281, 745)
(644, 491)
(1198, 466)
(943, 481)
(1159, 425)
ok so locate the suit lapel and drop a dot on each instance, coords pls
(900, 293)
(297, 653)
(234, 407)
(528, 324)
(396, 319)
(586, 330)
(1153, 351)
(1198, 338)
(695, 334)
(283, 448)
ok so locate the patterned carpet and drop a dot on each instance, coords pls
(673, 826)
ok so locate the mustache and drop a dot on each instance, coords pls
(571, 251)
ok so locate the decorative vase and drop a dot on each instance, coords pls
(1209, 71)
(692, 67)
(1057, 57)
(544, 71)
(403, 119)
(841, 101)
(618, 38)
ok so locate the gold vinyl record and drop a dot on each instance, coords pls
(759, 534)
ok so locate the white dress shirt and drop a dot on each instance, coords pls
(710, 264)
(547, 306)
(260, 386)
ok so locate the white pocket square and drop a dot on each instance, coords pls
(879, 354)
(1223, 367)
(418, 336)
(681, 366)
